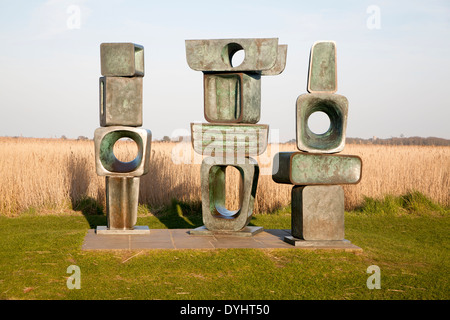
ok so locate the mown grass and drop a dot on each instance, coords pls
(411, 248)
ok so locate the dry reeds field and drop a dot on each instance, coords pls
(52, 175)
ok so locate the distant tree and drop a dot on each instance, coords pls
(82, 138)
(166, 139)
(417, 141)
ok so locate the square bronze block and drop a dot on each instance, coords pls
(232, 97)
(106, 162)
(216, 216)
(336, 108)
(300, 168)
(120, 101)
(122, 59)
(222, 140)
(317, 212)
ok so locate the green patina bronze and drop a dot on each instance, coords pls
(232, 97)
(299, 168)
(107, 157)
(122, 195)
(322, 70)
(280, 64)
(336, 108)
(106, 162)
(222, 97)
(317, 199)
(216, 55)
(317, 213)
(121, 101)
(216, 216)
(232, 104)
(121, 91)
(122, 59)
(217, 192)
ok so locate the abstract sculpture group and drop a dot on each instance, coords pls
(232, 108)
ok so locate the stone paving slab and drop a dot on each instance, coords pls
(182, 239)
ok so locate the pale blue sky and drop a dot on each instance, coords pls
(395, 77)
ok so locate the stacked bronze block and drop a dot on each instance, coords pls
(122, 69)
(316, 172)
(232, 107)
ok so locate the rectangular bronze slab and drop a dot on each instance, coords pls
(122, 195)
(299, 168)
(215, 54)
(222, 139)
(322, 68)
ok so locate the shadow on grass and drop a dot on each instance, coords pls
(92, 212)
(181, 215)
(79, 183)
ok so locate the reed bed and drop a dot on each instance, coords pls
(53, 175)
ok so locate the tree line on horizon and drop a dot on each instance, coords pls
(398, 141)
(405, 141)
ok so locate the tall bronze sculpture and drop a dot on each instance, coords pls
(316, 171)
(122, 69)
(232, 107)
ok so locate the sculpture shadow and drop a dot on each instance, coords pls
(91, 208)
(181, 215)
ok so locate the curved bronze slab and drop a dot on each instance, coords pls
(215, 55)
(280, 64)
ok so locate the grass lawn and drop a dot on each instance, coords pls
(411, 250)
